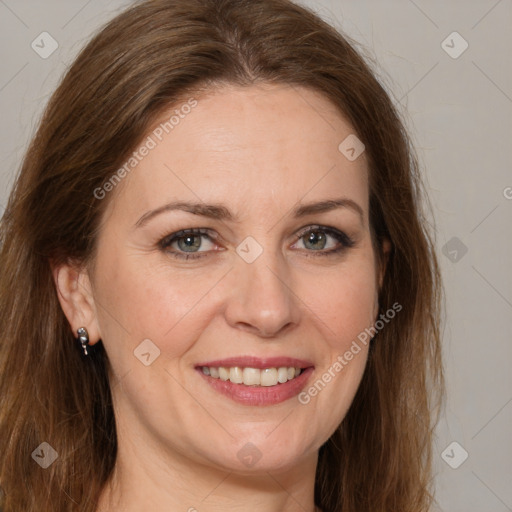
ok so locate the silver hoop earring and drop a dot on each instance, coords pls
(83, 338)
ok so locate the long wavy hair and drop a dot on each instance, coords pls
(141, 63)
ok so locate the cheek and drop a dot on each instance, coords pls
(345, 306)
(346, 302)
(150, 302)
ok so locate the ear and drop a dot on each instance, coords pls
(76, 299)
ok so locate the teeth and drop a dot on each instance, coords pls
(253, 376)
(235, 375)
(269, 377)
(282, 375)
(223, 373)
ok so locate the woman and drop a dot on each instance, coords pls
(217, 288)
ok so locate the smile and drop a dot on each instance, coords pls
(253, 376)
(256, 381)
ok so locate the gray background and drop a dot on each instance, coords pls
(459, 111)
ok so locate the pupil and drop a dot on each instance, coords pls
(316, 237)
(187, 242)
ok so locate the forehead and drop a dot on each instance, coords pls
(248, 146)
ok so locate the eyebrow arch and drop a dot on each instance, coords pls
(220, 212)
(326, 206)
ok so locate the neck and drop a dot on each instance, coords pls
(151, 479)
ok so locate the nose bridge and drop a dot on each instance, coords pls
(262, 299)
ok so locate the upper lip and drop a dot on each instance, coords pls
(257, 362)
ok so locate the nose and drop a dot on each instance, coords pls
(262, 300)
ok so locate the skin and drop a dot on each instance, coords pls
(260, 151)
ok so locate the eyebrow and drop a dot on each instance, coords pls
(220, 212)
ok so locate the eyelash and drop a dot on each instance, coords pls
(344, 240)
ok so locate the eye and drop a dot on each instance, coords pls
(187, 243)
(323, 240)
(197, 243)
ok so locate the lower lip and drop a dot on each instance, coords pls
(259, 395)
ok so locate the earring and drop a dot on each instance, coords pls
(83, 338)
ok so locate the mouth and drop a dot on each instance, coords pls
(254, 381)
(253, 376)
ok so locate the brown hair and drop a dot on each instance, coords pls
(379, 459)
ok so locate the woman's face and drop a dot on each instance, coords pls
(273, 278)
